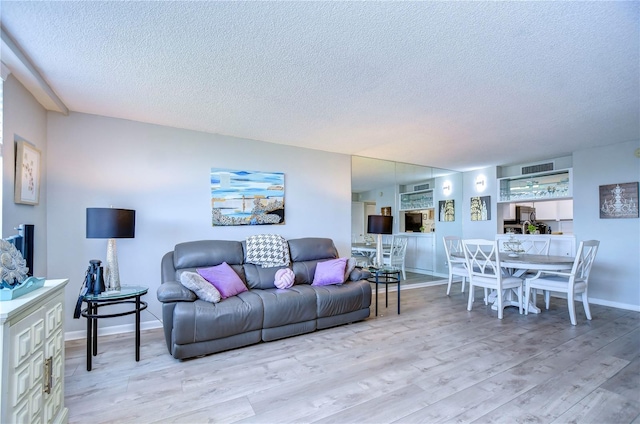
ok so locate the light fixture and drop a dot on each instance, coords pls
(446, 188)
(379, 224)
(111, 223)
(481, 182)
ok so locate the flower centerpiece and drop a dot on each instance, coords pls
(13, 273)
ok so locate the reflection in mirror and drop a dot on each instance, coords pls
(410, 193)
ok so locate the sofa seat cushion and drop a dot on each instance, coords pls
(201, 321)
(288, 306)
(341, 299)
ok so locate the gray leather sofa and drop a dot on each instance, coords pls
(193, 327)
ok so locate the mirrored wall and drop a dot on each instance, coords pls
(425, 204)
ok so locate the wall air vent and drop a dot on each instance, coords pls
(542, 167)
(421, 187)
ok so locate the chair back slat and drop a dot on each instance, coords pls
(530, 244)
(398, 246)
(584, 259)
(452, 245)
(482, 257)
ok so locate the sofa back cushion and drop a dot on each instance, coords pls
(206, 253)
(260, 278)
(306, 253)
(256, 276)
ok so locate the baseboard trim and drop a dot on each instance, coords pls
(116, 329)
(149, 325)
(596, 301)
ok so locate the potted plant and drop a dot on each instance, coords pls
(532, 229)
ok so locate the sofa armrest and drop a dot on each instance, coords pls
(359, 274)
(172, 291)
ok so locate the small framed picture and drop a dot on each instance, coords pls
(447, 210)
(27, 182)
(481, 208)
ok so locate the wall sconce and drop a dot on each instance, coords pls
(481, 183)
(446, 188)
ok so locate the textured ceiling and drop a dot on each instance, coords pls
(457, 85)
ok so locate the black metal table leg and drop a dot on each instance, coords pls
(398, 293)
(376, 295)
(386, 291)
(94, 311)
(89, 342)
(137, 328)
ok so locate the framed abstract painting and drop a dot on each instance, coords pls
(246, 197)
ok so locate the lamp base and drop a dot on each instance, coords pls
(112, 280)
(379, 263)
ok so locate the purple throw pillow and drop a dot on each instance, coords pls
(284, 278)
(224, 278)
(329, 272)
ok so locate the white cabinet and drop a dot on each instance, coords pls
(562, 246)
(32, 356)
(565, 209)
(420, 253)
(554, 210)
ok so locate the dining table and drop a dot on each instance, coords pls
(518, 264)
(368, 250)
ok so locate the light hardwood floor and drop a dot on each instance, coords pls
(436, 362)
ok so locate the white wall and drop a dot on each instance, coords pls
(615, 277)
(163, 173)
(24, 119)
(455, 181)
(480, 229)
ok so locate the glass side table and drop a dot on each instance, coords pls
(127, 294)
(386, 276)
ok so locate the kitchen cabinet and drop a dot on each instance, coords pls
(32, 356)
(554, 210)
(422, 199)
(539, 186)
(420, 253)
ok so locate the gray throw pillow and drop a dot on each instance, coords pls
(201, 287)
(351, 265)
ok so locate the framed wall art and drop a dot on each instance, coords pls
(619, 200)
(447, 210)
(481, 208)
(27, 180)
(246, 197)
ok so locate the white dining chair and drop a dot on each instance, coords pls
(571, 283)
(535, 245)
(396, 254)
(483, 263)
(457, 265)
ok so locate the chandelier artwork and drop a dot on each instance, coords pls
(619, 200)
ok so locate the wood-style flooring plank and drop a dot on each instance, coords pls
(435, 362)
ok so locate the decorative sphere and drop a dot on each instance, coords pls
(284, 278)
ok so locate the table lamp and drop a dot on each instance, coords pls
(379, 224)
(111, 223)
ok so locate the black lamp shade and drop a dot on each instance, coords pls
(111, 223)
(380, 224)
